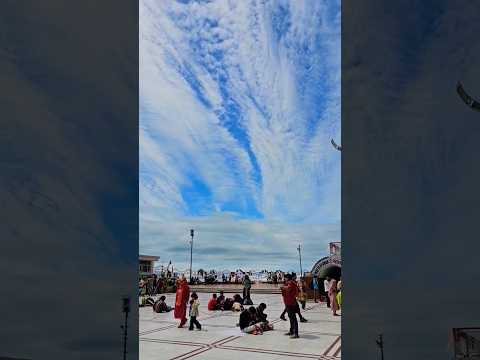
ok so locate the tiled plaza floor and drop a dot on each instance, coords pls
(221, 339)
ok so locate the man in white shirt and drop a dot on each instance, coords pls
(326, 287)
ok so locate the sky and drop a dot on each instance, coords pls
(410, 177)
(68, 179)
(238, 103)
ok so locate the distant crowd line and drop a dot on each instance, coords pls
(157, 284)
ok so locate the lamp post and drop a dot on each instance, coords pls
(191, 253)
(380, 345)
(126, 310)
(299, 248)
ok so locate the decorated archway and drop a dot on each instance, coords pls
(331, 265)
(327, 266)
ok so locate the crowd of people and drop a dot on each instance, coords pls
(333, 289)
(154, 285)
(252, 320)
(235, 277)
(276, 277)
(223, 303)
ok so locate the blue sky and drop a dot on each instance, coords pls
(238, 102)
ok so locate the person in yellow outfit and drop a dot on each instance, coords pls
(302, 295)
(339, 294)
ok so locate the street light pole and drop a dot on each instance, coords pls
(191, 254)
(380, 345)
(299, 248)
(126, 310)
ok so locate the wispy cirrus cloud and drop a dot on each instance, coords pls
(239, 101)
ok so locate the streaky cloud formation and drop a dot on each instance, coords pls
(238, 103)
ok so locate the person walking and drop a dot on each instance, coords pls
(159, 286)
(247, 285)
(297, 306)
(289, 293)
(150, 283)
(282, 315)
(302, 295)
(314, 287)
(194, 312)
(339, 293)
(326, 287)
(154, 285)
(181, 299)
(332, 292)
(141, 287)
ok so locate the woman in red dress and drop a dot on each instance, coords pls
(181, 300)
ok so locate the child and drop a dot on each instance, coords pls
(194, 305)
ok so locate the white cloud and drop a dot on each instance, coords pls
(222, 239)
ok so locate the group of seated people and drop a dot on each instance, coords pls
(254, 320)
(223, 303)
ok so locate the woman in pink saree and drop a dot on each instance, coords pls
(332, 293)
(181, 300)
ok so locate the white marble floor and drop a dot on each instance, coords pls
(221, 339)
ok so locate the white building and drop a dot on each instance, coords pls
(147, 264)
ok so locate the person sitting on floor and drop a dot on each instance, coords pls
(262, 317)
(237, 307)
(212, 303)
(238, 298)
(160, 306)
(260, 312)
(220, 300)
(237, 303)
(248, 322)
(227, 304)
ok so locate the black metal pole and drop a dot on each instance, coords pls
(125, 337)
(191, 255)
(380, 345)
(300, 256)
(126, 310)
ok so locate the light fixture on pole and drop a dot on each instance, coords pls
(299, 248)
(191, 253)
